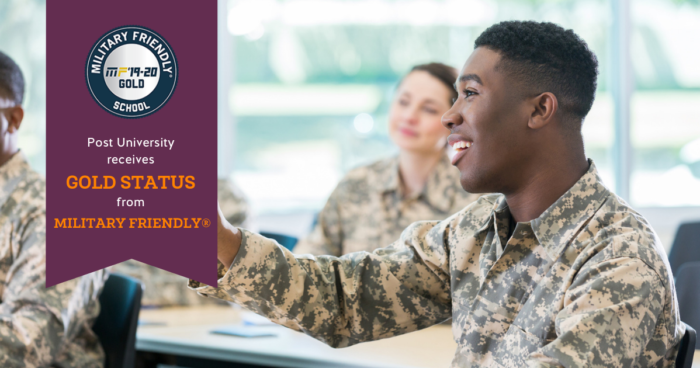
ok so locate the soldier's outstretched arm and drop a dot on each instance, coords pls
(339, 300)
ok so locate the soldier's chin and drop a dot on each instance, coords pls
(468, 184)
(473, 182)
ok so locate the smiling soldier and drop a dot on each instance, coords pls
(555, 271)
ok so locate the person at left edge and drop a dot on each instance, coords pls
(39, 326)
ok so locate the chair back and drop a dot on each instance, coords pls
(686, 246)
(285, 240)
(687, 348)
(688, 291)
(120, 303)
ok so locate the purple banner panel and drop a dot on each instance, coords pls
(131, 136)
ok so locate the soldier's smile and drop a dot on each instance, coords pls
(460, 145)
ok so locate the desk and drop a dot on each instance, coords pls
(187, 333)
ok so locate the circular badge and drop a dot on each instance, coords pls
(131, 71)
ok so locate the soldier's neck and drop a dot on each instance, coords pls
(546, 183)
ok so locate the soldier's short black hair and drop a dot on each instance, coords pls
(11, 79)
(545, 57)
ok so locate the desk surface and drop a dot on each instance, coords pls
(187, 332)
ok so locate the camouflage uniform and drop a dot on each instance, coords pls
(367, 210)
(585, 284)
(39, 326)
(163, 288)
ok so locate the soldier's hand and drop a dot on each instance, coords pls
(228, 240)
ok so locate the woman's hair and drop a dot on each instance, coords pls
(444, 73)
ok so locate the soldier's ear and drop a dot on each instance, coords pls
(15, 116)
(544, 107)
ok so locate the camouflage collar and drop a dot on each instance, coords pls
(557, 225)
(439, 191)
(11, 173)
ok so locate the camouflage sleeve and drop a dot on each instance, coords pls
(343, 301)
(161, 288)
(232, 201)
(326, 237)
(608, 318)
(31, 316)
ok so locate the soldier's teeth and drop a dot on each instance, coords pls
(458, 146)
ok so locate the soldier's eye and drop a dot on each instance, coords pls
(468, 93)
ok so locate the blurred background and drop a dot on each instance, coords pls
(305, 87)
(310, 83)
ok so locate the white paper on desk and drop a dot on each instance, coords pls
(252, 319)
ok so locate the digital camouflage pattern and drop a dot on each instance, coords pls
(163, 288)
(586, 284)
(39, 327)
(233, 202)
(367, 210)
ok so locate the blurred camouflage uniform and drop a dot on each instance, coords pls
(163, 288)
(39, 326)
(367, 210)
(585, 284)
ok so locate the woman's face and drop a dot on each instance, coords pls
(414, 118)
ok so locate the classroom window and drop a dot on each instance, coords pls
(665, 118)
(310, 93)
